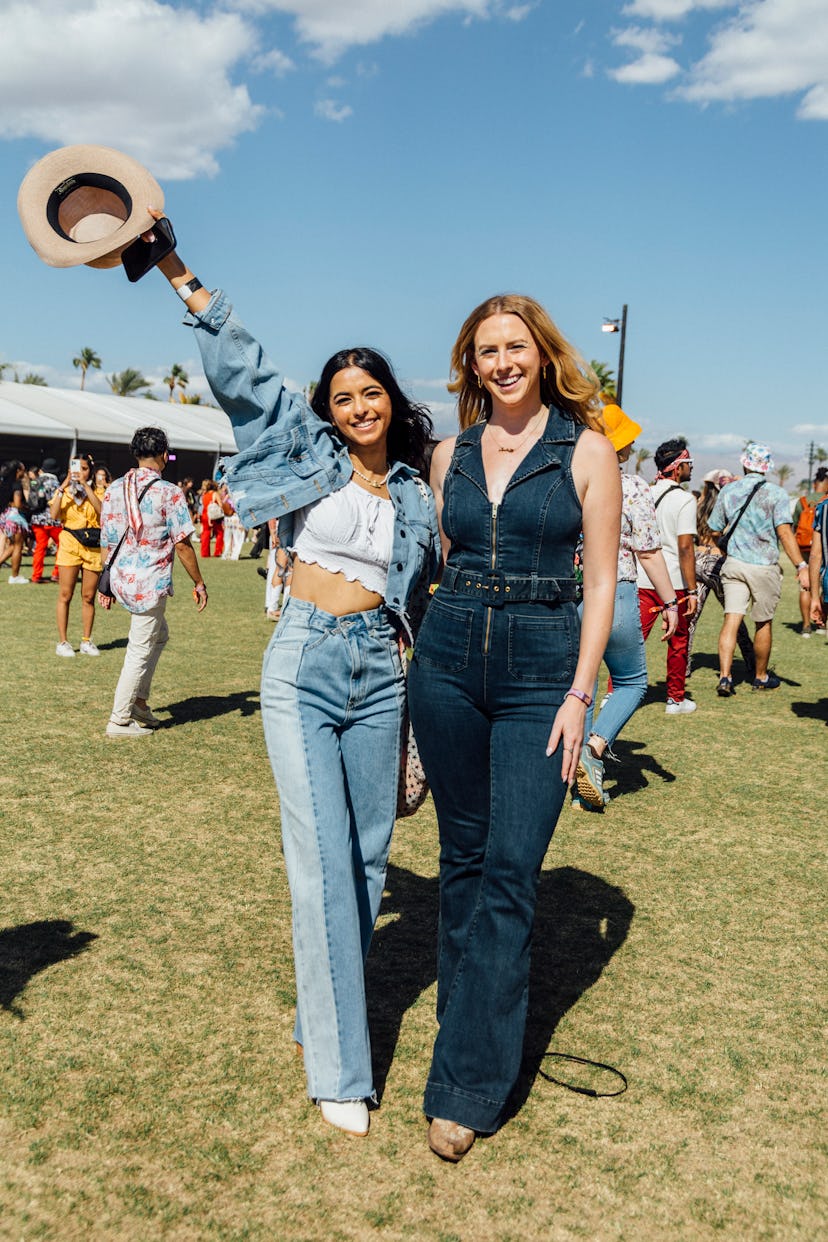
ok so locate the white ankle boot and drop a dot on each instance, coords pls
(348, 1115)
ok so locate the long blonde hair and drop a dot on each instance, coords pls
(572, 388)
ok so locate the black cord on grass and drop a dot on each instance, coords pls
(590, 1091)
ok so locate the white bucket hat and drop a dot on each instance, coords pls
(86, 204)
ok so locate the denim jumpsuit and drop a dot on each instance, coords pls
(333, 695)
(494, 658)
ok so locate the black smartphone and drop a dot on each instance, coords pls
(141, 256)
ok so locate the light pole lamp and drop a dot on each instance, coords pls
(618, 325)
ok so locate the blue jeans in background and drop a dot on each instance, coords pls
(626, 660)
(332, 703)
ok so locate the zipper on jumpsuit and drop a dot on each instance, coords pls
(491, 566)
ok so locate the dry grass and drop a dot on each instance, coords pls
(148, 1085)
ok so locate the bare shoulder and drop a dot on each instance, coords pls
(594, 450)
(440, 459)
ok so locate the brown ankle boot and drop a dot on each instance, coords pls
(449, 1140)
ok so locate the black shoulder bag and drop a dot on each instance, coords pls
(104, 587)
(724, 539)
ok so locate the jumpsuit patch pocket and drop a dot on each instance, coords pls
(444, 640)
(542, 650)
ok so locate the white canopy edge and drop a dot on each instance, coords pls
(68, 414)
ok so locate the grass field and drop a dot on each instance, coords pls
(148, 1084)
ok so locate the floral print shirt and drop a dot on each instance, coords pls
(639, 524)
(142, 573)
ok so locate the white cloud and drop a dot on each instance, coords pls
(139, 75)
(765, 49)
(331, 26)
(810, 429)
(652, 65)
(274, 62)
(773, 47)
(671, 10)
(724, 440)
(330, 110)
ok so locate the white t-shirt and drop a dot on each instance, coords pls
(676, 515)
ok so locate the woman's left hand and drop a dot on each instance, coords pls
(568, 730)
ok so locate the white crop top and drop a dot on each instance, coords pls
(349, 532)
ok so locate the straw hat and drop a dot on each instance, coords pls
(620, 429)
(86, 204)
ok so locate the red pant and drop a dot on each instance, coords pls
(649, 605)
(208, 530)
(42, 536)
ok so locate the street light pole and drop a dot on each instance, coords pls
(619, 325)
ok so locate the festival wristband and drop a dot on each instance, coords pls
(189, 287)
(586, 699)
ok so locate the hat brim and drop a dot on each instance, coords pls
(58, 171)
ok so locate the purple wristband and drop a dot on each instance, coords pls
(586, 699)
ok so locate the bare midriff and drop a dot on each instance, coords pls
(333, 593)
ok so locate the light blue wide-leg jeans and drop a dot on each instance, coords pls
(626, 659)
(332, 702)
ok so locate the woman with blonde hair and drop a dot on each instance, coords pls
(502, 676)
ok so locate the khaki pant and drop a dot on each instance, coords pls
(148, 635)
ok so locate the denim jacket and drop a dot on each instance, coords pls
(289, 457)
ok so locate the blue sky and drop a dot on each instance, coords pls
(368, 171)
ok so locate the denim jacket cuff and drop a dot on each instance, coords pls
(214, 314)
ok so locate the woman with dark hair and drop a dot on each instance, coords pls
(341, 475)
(14, 523)
(502, 676)
(76, 505)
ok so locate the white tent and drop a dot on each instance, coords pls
(79, 417)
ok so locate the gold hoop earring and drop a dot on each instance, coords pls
(479, 382)
(543, 372)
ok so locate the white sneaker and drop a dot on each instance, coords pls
(64, 649)
(348, 1115)
(145, 716)
(681, 708)
(88, 647)
(17, 581)
(133, 729)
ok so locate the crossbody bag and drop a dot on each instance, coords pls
(104, 587)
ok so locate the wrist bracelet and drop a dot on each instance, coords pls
(672, 604)
(693, 592)
(586, 699)
(190, 287)
(801, 565)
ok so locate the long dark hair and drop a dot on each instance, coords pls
(411, 426)
(9, 483)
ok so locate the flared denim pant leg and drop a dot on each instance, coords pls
(626, 659)
(332, 697)
(482, 704)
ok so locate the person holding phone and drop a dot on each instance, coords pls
(502, 676)
(341, 473)
(76, 506)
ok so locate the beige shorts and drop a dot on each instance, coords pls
(759, 586)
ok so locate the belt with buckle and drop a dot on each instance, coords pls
(497, 588)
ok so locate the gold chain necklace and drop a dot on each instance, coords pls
(371, 482)
(502, 449)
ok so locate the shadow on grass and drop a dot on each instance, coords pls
(630, 774)
(581, 922)
(208, 706)
(32, 947)
(112, 644)
(402, 962)
(812, 711)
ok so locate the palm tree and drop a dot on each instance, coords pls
(641, 456)
(86, 358)
(783, 473)
(194, 398)
(605, 378)
(177, 376)
(31, 377)
(127, 383)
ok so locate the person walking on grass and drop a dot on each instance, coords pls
(152, 517)
(804, 524)
(818, 564)
(676, 514)
(759, 514)
(42, 488)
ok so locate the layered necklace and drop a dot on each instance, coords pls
(534, 423)
(372, 482)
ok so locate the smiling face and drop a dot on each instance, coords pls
(360, 408)
(508, 362)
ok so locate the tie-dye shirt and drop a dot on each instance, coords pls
(142, 573)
